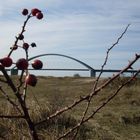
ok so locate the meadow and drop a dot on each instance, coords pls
(118, 120)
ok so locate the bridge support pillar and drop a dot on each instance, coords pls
(92, 73)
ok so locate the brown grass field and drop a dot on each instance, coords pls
(118, 120)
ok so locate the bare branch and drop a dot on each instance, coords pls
(78, 101)
(97, 79)
(25, 85)
(10, 82)
(107, 55)
(22, 103)
(99, 108)
(21, 33)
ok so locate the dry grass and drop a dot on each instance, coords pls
(119, 120)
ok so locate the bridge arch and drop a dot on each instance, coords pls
(92, 71)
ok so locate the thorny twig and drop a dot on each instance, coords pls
(97, 79)
(25, 85)
(22, 103)
(78, 101)
(21, 33)
(100, 107)
(107, 55)
(16, 90)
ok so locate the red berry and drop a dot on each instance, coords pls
(22, 64)
(6, 61)
(25, 46)
(20, 36)
(31, 80)
(39, 15)
(37, 64)
(25, 12)
(35, 11)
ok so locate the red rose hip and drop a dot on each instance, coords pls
(39, 15)
(25, 46)
(35, 11)
(6, 61)
(37, 64)
(22, 64)
(31, 80)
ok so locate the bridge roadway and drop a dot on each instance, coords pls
(92, 72)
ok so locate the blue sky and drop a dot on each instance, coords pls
(83, 29)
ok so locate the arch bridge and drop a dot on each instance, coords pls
(88, 68)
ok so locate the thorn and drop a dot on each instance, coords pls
(137, 55)
(81, 97)
(131, 68)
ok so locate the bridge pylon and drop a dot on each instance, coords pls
(92, 73)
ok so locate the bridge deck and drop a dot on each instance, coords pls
(95, 70)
